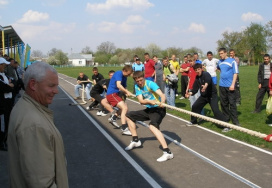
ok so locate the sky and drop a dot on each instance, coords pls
(71, 25)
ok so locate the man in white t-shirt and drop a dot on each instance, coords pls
(210, 64)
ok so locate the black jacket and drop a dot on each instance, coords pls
(261, 73)
(4, 88)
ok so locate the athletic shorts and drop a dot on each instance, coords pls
(214, 79)
(114, 99)
(156, 115)
(97, 97)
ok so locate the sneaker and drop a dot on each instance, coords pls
(166, 156)
(225, 130)
(191, 124)
(270, 125)
(113, 122)
(133, 145)
(100, 113)
(176, 95)
(181, 98)
(76, 98)
(126, 131)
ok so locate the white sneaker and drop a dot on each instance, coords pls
(176, 95)
(181, 98)
(100, 113)
(113, 122)
(166, 156)
(126, 131)
(225, 130)
(270, 125)
(133, 145)
(191, 125)
(87, 108)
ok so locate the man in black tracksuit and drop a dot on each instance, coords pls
(208, 94)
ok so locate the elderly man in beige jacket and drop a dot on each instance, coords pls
(36, 151)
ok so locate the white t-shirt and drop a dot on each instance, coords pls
(211, 66)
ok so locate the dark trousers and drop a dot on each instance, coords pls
(184, 83)
(228, 104)
(237, 91)
(260, 96)
(213, 101)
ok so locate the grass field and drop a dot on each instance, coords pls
(249, 89)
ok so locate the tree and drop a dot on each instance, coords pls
(174, 51)
(125, 56)
(269, 33)
(52, 52)
(61, 58)
(139, 51)
(37, 54)
(106, 47)
(114, 60)
(87, 50)
(256, 43)
(153, 49)
(51, 60)
(102, 58)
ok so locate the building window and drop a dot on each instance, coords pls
(80, 62)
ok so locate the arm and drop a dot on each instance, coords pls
(260, 76)
(232, 87)
(121, 88)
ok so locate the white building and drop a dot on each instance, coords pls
(77, 59)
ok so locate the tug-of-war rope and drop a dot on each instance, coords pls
(222, 123)
(218, 122)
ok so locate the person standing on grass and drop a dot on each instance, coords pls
(148, 94)
(176, 67)
(210, 64)
(169, 86)
(264, 73)
(184, 70)
(208, 94)
(149, 65)
(159, 73)
(228, 75)
(118, 83)
(237, 84)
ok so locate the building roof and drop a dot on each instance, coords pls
(80, 56)
(10, 33)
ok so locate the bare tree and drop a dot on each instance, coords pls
(153, 49)
(37, 54)
(106, 47)
(87, 50)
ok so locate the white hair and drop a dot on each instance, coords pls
(37, 71)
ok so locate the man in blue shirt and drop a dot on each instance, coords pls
(196, 58)
(148, 94)
(228, 75)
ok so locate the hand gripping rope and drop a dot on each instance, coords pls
(238, 128)
(82, 95)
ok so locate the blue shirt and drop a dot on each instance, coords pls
(148, 92)
(117, 76)
(137, 67)
(198, 61)
(228, 67)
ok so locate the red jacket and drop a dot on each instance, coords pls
(192, 77)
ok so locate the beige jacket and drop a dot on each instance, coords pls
(36, 151)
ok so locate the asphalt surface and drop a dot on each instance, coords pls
(96, 156)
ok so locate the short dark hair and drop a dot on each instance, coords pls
(266, 55)
(155, 56)
(111, 71)
(127, 68)
(231, 50)
(146, 54)
(222, 49)
(195, 53)
(135, 56)
(138, 74)
(209, 52)
(165, 58)
(95, 69)
(197, 65)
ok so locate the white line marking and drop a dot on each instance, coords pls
(218, 166)
(141, 171)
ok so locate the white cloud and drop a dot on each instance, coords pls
(131, 24)
(112, 4)
(3, 2)
(248, 17)
(33, 16)
(197, 28)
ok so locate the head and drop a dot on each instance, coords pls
(111, 72)
(209, 55)
(185, 59)
(12, 62)
(189, 56)
(198, 69)
(266, 58)
(232, 53)
(155, 58)
(135, 57)
(173, 57)
(138, 76)
(191, 61)
(146, 56)
(95, 71)
(196, 56)
(3, 64)
(127, 70)
(137, 60)
(41, 82)
(165, 61)
(222, 53)
(81, 74)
